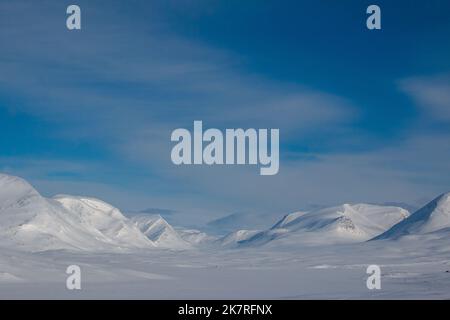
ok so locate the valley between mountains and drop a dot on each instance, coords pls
(321, 253)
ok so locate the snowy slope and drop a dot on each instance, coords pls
(159, 231)
(234, 238)
(195, 237)
(106, 221)
(241, 220)
(31, 222)
(415, 266)
(341, 224)
(433, 217)
(289, 219)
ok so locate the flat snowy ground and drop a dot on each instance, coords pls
(301, 256)
(411, 268)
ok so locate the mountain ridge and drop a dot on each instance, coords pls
(432, 217)
(32, 222)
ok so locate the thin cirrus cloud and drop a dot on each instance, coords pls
(432, 94)
(86, 84)
(123, 87)
(126, 94)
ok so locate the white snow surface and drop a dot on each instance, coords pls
(31, 222)
(346, 223)
(107, 221)
(195, 237)
(159, 231)
(433, 217)
(235, 238)
(318, 254)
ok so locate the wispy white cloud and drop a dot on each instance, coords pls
(432, 94)
(127, 93)
(91, 79)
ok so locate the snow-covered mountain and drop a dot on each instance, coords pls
(195, 237)
(233, 239)
(31, 222)
(109, 223)
(341, 224)
(289, 219)
(241, 220)
(159, 231)
(433, 217)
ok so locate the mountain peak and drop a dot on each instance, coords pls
(159, 231)
(444, 198)
(338, 224)
(14, 188)
(432, 217)
(89, 205)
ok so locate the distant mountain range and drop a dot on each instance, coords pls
(29, 221)
(432, 218)
(340, 224)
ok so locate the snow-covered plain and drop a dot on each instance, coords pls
(318, 254)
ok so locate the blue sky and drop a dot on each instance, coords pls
(363, 115)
